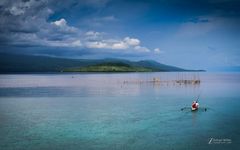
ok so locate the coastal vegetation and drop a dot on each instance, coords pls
(13, 63)
(109, 67)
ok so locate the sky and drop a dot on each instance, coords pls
(192, 34)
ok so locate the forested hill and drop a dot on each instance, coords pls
(12, 63)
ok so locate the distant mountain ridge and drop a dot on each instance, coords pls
(13, 63)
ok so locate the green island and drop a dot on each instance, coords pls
(109, 67)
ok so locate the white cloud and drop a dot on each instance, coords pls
(67, 43)
(158, 51)
(62, 25)
(141, 49)
(92, 33)
(131, 41)
(127, 43)
(120, 45)
(96, 45)
(76, 43)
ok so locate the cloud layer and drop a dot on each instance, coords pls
(26, 23)
(159, 30)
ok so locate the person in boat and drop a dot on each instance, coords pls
(195, 105)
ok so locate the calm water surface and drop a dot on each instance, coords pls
(100, 111)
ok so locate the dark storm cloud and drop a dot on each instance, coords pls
(22, 19)
(28, 23)
(20, 16)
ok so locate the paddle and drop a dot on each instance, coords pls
(198, 97)
(198, 100)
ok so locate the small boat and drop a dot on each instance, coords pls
(194, 109)
(194, 106)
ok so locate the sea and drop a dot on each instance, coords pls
(119, 111)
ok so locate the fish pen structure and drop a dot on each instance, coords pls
(181, 79)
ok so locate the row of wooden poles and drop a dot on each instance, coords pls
(182, 79)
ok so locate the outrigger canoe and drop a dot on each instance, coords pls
(194, 109)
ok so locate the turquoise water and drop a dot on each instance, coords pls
(100, 111)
